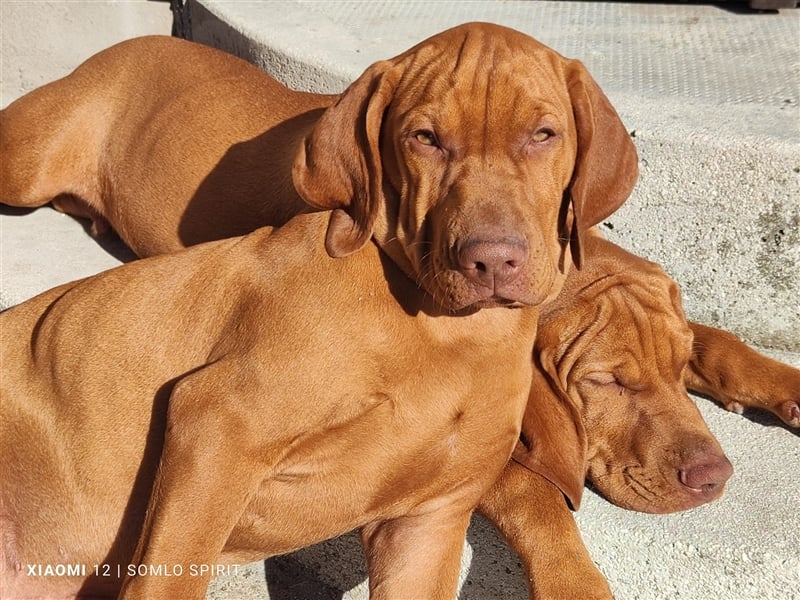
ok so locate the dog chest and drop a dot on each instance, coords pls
(384, 435)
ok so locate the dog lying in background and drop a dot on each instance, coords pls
(615, 349)
(198, 145)
(227, 402)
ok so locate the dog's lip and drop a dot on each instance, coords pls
(679, 496)
(488, 297)
(681, 477)
(456, 294)
(709, 491)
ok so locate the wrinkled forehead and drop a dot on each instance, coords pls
(646, 333)
(483, 73)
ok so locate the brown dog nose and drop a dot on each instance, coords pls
(706, 474)
(492, 263)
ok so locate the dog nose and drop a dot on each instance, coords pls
(492, 263)
(706, 474)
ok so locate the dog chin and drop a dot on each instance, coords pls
(495, 302)
(474, 299)
(474, 302)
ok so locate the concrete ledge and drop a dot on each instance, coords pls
(718, 202)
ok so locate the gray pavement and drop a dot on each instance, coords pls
(712, 94)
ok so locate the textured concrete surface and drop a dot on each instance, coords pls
(44, 40)
(703, 87)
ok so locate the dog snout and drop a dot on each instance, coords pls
(493, 263)
(706, 474)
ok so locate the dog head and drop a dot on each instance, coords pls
(472, 159)
(613, 352)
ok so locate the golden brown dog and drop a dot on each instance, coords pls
(615, 349)
(227, 403)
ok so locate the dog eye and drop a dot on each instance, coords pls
(601, 378)
(542, 135)
(426, 138)
(607, 380)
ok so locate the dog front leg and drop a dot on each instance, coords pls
(207, 474)
(533, 517)
(729, 371)
(415, 556)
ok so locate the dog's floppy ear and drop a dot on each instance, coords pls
(338, 165)
(553, 439)
(606, 167)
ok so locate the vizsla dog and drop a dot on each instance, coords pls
(614, 348)
(227, 402)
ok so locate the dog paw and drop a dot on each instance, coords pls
(99, 226)
(735, 407)
(789, 412)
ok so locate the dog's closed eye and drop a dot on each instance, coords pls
(607, 378)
